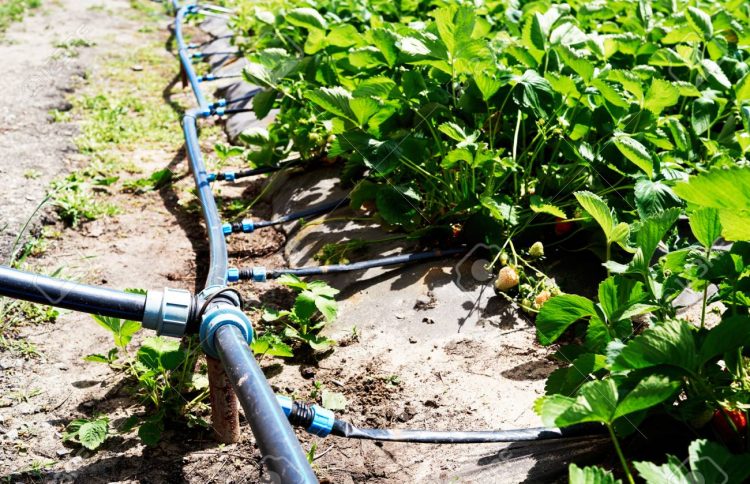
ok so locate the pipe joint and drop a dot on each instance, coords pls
(256, 274)
(221, 315)
(248, 226)
(313, 418)
(168, 312)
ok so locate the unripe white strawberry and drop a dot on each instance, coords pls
(507, 279)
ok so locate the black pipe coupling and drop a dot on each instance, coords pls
(168, 312)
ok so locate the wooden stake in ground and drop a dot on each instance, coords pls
(225, 416)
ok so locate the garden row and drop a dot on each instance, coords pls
(610, 126)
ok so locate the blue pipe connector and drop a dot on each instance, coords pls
(218, 104)
(221, 315)
(246, 226)
(256, 274)
(316, 419)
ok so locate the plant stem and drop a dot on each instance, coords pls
(705, 292)
(621, 456)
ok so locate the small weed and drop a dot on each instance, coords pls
(168, 378)
(75, 202)
(23, 396)
(14, 11)
(36, 468)
(32, 174)
(90, 433)
(21, 347)
(70, 48)
(156, 181)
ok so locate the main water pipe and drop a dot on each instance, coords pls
(281, 450)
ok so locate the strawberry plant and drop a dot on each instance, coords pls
(487, 113)
(313, 308)
(619, 373)
(87, 433)
(506, 122)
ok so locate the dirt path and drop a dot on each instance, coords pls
(48, 384)
(40, 66)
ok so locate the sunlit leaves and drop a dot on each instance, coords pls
(634, 151)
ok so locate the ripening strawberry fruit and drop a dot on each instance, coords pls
(724, 429)
(542, 298)
(562, 227)
(507, 279)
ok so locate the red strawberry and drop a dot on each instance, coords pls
(724, 428)
(562, 227)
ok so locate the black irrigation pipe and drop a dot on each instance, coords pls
(260, 274)
(248, 225)
(71, 295)
(278, 443)
(218, 77)
(319, 421)
(234, 175)
(208, 42)
(223, 112)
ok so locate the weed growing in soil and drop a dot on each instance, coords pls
(14, 11)
(168, 378)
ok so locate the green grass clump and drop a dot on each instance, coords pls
(14, 11)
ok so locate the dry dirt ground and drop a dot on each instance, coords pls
(425, 355)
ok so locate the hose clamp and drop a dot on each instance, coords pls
(168, 311)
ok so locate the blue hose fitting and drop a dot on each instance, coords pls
(322, 418)
(248, 226)
(211, 177)
(226, 227)
(233, 274)
(259, 274)
(197, 55)
(217, 317)
(218, 104)
(322, 423)
(229, 175)
(219, 111)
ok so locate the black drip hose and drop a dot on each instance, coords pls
(321, 209)
(245, 274)
(308, 212)
(345, 429)
(251, 172)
